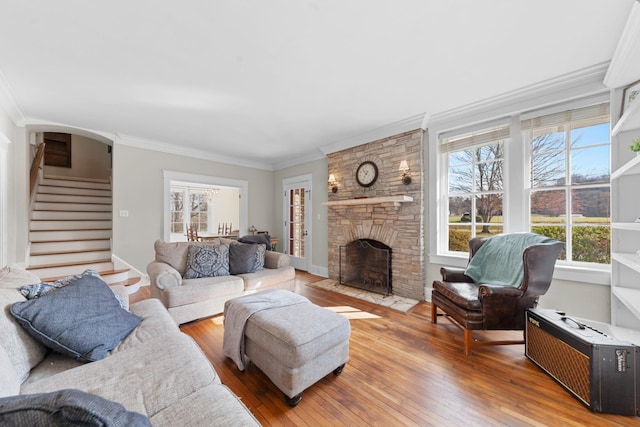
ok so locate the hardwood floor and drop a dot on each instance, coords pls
(404, 370)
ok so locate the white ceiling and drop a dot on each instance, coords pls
(273, 82)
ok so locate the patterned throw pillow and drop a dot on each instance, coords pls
(38, 290)
(260, 254)
(207, 261)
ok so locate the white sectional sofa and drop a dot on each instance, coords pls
(156, 371)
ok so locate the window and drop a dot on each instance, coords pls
(210, 210)
(216, 205)
(475, 185)
(569, 179)
(551, 166)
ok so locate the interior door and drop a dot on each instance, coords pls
(297, 212)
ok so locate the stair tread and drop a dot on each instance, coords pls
(101, 273)
(97, 261)
(129, 282)
(79, 251)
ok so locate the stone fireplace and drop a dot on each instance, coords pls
(389, 213)
(366, 264)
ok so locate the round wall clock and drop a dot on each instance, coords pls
(367, 174)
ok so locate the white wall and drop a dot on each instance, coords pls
(138, 188)
(89, 159)
(14, 197)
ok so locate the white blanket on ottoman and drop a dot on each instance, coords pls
(237, 312)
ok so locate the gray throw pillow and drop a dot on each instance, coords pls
(68, 407)
(207, 261)
(242, 258)
(83, 319)
(265, 239)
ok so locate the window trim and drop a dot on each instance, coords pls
(169, 176)
(567, 91)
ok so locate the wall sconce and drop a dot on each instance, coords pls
(333, 184)
(406, 176)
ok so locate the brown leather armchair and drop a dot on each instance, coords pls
(482, 306)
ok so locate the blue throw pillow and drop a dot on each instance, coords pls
(68, 407)
(83, 319)
(37, 290)
(207, 261)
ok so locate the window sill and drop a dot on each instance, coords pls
(595, 276)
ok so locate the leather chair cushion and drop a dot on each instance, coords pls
(461, 293)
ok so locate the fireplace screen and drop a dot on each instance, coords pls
(366, 264)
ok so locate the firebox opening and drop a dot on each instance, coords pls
(366, 264)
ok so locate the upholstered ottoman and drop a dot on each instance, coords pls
(294, 342)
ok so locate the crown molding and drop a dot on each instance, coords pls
(310, 157)
(395, 128)
(4, 141)
(580, 83)
(36, 125)
(8, 101)
(625, 64)
(164, 147)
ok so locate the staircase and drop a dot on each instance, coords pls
(70, 231)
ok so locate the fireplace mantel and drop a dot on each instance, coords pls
(396, 200)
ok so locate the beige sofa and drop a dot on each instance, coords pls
(156, 370)
(191, 299)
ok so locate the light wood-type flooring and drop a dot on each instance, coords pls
(405, 371)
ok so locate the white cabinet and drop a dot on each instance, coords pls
(625, 186)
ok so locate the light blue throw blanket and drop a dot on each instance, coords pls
(237, 312)
(499, 260)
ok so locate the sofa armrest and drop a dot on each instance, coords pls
(163, 276)
(276, 260)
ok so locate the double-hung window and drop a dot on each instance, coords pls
(543, 171)
(475, 191)
(569, 180)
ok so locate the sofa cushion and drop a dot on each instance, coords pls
(12, 277)
(83, 320)
(242, 258)
(207, 261)
(211, 405)
(23, 350)
(9, 381)
(145, 378)
(269, 278)
(156, 322)
(66, 407)
(206, 288)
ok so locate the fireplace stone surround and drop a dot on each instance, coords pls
(389, 211)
